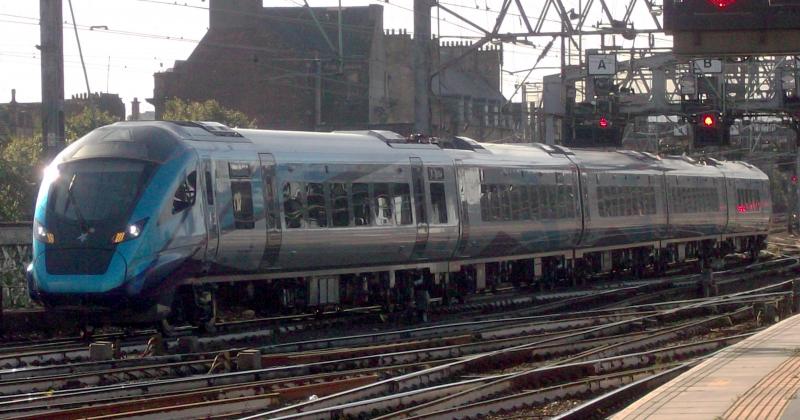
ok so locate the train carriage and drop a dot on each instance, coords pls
(149, 221)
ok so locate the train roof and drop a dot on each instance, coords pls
(380, 145)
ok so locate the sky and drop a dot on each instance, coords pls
(147, 36)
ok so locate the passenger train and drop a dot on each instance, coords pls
(157, 221)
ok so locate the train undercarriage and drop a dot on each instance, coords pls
(408, 292)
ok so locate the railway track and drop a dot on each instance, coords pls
(507, 354)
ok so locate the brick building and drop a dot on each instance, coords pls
(281, 67)
(24, 118)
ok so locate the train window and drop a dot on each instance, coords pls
(524, 202)
(533, 193)
(569, 201)
(438, 202)
(209, 189)
(294, 205)
(485, 208)
(383, 207)
(494, 202)
(239, 169)
(504, 194)
(563, 199)
(362, 210)
(514, 199)
(628, 201)
(401, 200)
(242, 202)
(340, 205)
(185, 194)
(315, 197)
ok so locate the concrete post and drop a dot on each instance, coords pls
(52, 48)
(422, 66)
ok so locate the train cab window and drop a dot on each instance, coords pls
(383, 206)
(186, 193)
(242, 201)
(438, 202)
(362, 209)
(315, 197)
(294, 205)
(401, 201)
(340, 205)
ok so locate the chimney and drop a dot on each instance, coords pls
(135, 109)
(13, 96)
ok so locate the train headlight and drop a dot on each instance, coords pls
(42, 234)
(131, 232)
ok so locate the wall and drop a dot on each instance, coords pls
(15, 255)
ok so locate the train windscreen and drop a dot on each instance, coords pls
(93, 198)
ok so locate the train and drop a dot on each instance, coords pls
(158, 222)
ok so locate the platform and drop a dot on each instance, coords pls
(757, 378)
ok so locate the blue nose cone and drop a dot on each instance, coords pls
(58, 276)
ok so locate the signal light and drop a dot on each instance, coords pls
(721, 4)
(794, 179)
(603, 123)
(708, 121)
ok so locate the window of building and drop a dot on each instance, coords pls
(439, 202)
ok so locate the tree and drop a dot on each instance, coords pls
(19, 170)
(176, 109)
(78, 125)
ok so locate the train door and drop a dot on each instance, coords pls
(271, 210)
(420, 206)
(212, 223)
(463, 180)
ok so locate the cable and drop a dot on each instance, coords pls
(83, 64)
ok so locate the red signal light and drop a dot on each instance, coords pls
(721, 4)
(709, 121)
(794, 179)
(603, 122)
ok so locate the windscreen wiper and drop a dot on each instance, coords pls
(71, 200)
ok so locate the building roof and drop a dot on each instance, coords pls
(277, 28)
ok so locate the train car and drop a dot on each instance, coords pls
(158, 221)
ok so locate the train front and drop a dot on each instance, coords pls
(96, 216)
